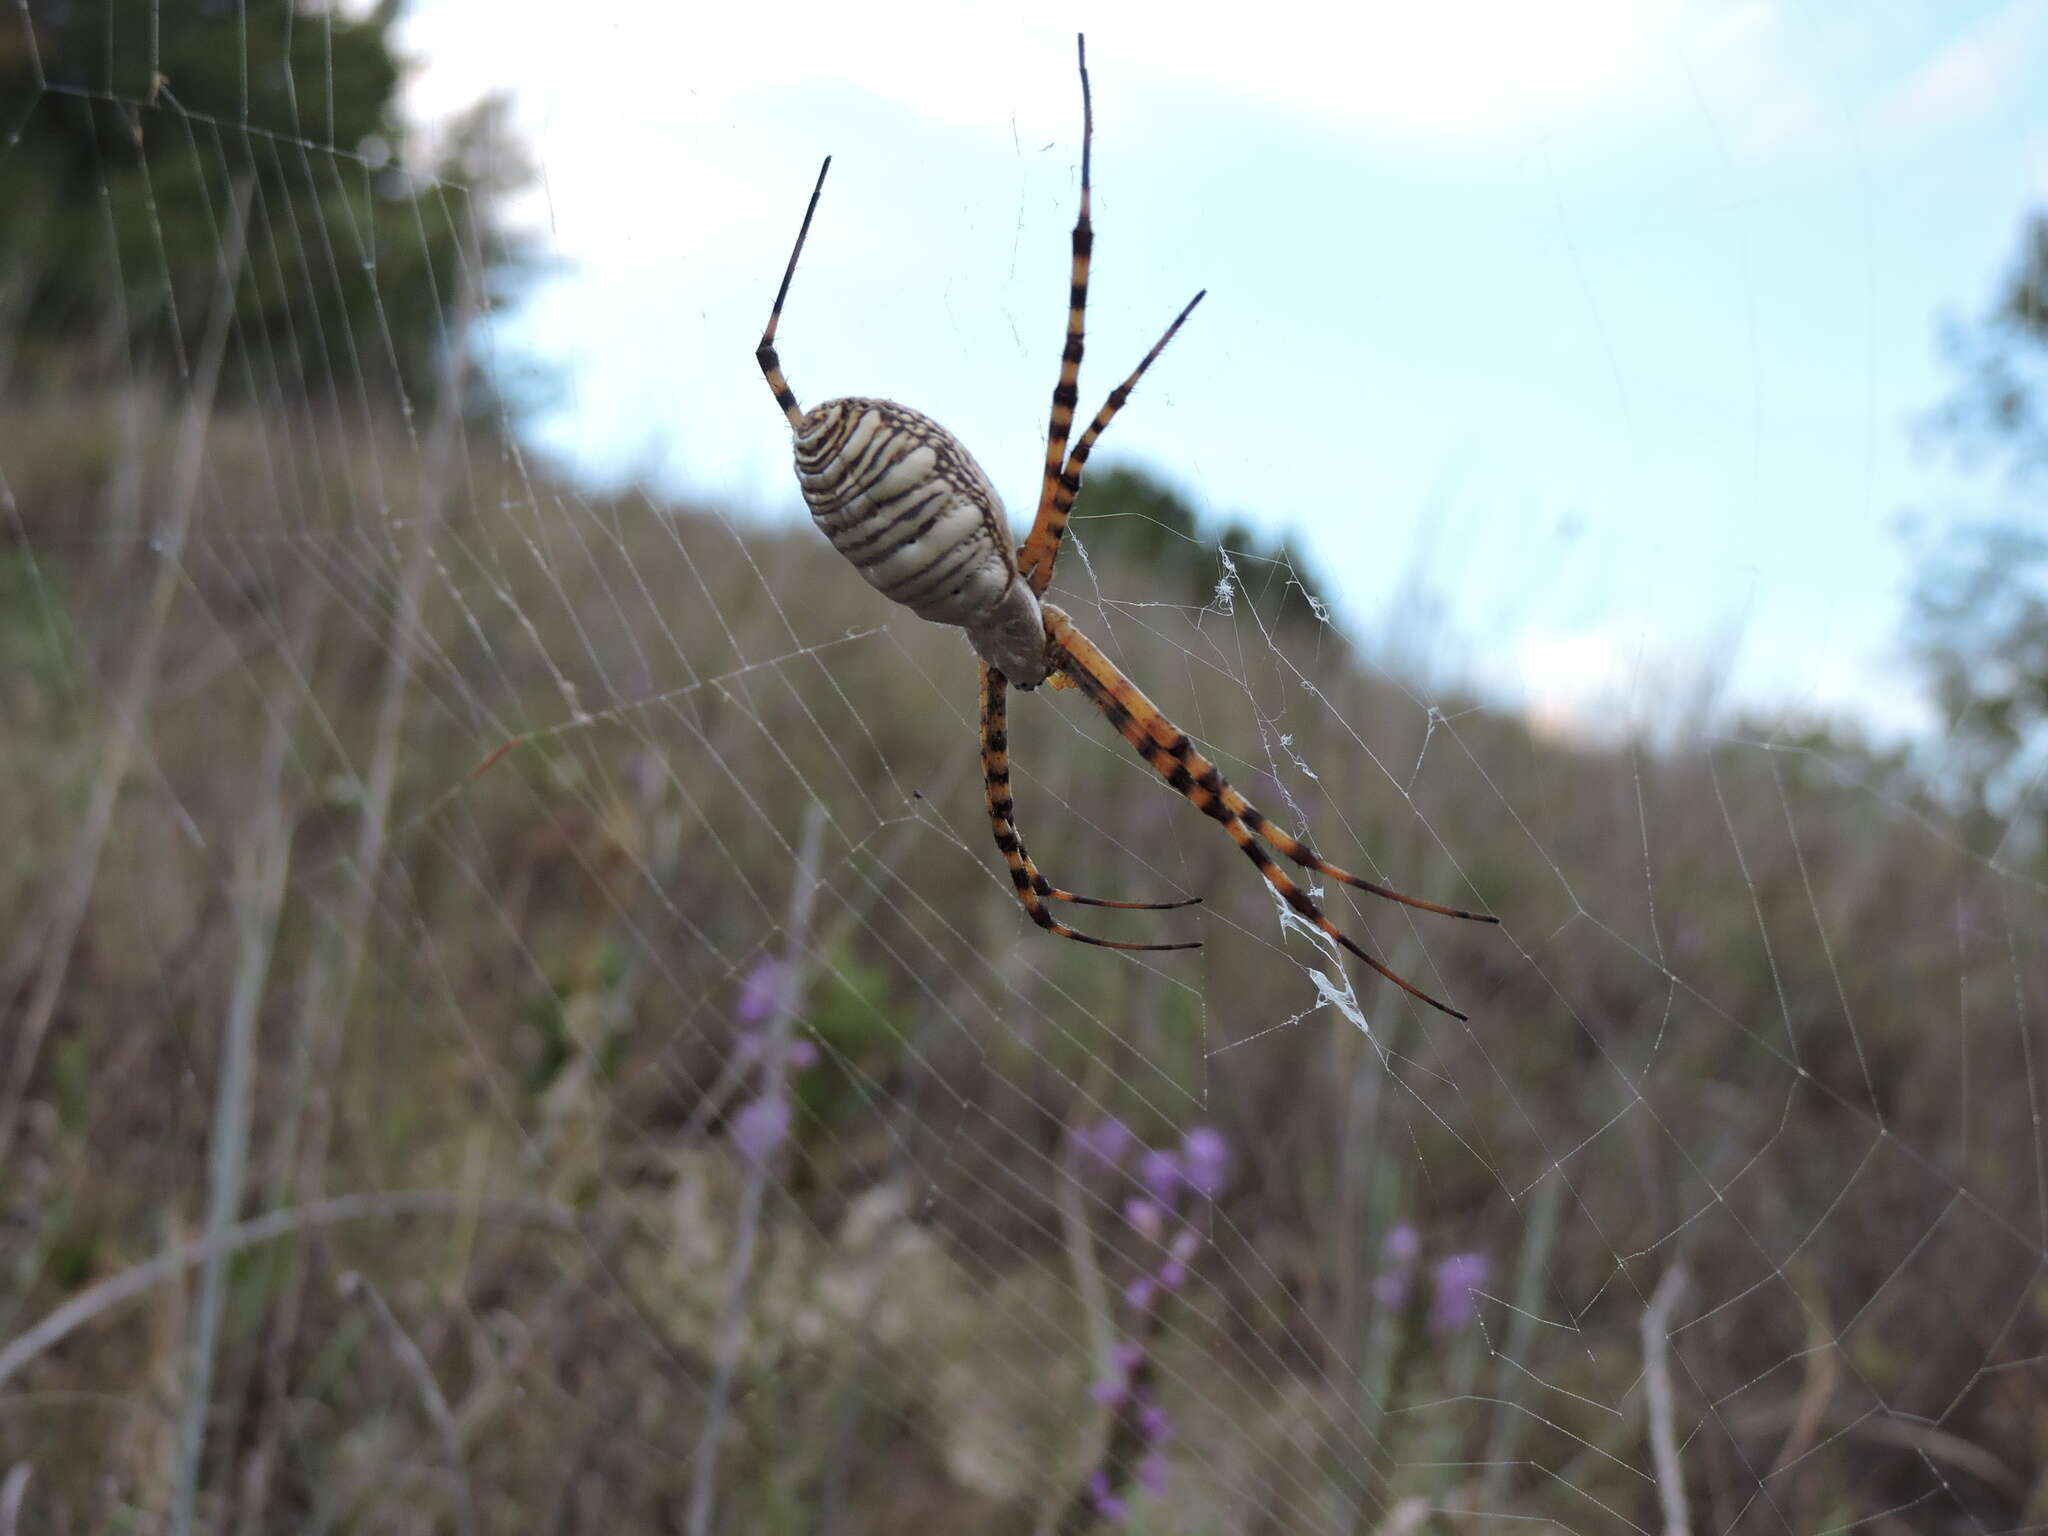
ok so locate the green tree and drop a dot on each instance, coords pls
(131, 130)
(1980, 603)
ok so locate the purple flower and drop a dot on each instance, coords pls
(1152, 1474)
(762, 992)
(1139, 1293)
(1160, 1172)
(1127, 1357)
(1147, 1217)
(1398, 1252)
(1206, 1158)
(1186, 1243)
(1173, 1274)
(1107, 1504)
(752, 1045)
(1107, 1392)
(1106, 1141)
(760, 1127)
(1454, 1303)
(1402, 1246)
(1153, 1423)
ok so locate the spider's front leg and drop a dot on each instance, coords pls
(1033, 889)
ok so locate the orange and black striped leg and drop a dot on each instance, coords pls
(996, 768)
(1066, 393)
(1173, 757)
(771, 365)
(1043, 546)
(1033, 889)
(1300, 852)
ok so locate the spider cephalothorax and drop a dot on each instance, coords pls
(901, 498)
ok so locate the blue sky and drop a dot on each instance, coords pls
(1612, 321)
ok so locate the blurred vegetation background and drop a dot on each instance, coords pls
(119, 112)
(511, 1020)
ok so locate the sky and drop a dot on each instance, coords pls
(1604, 332)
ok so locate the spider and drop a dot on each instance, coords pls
(901, 498)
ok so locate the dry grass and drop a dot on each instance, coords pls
(1750, 1011)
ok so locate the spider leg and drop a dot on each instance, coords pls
(771, 365)
(1043, 546)
(996, 769)
(1033, 889)
(1066, 393)
(1173, 757)
(1300, 852)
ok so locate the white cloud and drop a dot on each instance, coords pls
(1577, 685)
(1461, 71)
(1976, 73)
(1471, 70)
(1758, 87)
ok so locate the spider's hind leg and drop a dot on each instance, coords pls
(1033, 889)
(1173, 757)
(1300, 852)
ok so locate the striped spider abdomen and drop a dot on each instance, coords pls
(901, 498)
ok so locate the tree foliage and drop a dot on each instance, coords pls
(1980, 604)
(131, 132)
(1999, 411)
(1980, 623)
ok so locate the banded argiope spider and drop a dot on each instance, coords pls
(898, 495)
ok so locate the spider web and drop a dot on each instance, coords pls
(569, 919)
